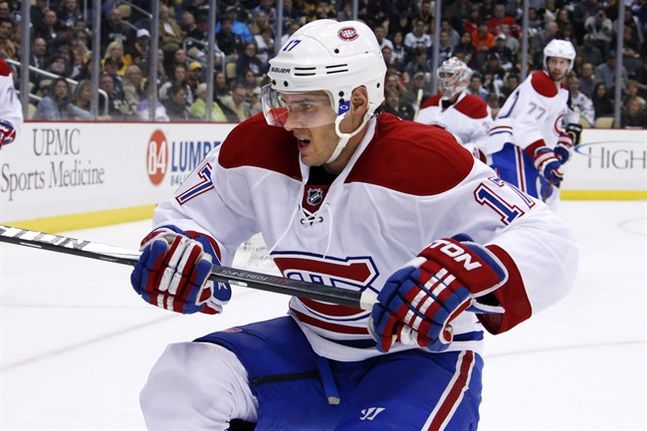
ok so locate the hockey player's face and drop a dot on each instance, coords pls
(557, 68)
(311, 119)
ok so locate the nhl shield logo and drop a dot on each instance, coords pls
(315, 196)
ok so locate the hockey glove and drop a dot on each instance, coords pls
(173, 269)
(418, 302)
(564, 148)
(7, 133)
(546, 163)
(574, 131)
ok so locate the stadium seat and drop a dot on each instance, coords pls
(604, 122)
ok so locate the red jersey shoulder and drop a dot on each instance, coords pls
(472, 106)
(412, 158)
(255, 143)
(431, 101)
(5, 70)
(543, 84)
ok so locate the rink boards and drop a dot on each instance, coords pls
(71, 175)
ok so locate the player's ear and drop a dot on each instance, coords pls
(359, 101)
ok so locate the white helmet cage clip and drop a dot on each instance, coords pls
(453, 77)
(560, 49)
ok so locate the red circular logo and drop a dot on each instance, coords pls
(157, 157)
(348, 33)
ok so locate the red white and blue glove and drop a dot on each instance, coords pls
(173, 270)
(7, 133)
(546, 162)
(564, 148)
(418, 302)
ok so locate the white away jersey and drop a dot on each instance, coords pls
(406, 185)
(469, 118)
(10, 107)
(532, 112)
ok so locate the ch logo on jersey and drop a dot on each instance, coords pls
(557, 126)
(370, 413)
(354, 272)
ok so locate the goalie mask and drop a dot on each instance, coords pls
(315, 73)
(453, 77)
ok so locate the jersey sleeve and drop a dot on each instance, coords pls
(214, 201)
(537, 249)
(10, 107)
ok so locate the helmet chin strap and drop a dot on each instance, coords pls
(345, 137)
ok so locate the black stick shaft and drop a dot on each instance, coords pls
(250, 279)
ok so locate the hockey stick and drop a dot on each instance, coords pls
(239, 277)
(416, 107)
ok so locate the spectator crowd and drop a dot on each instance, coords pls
(485, 35)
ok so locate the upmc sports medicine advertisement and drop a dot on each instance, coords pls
(58, 169)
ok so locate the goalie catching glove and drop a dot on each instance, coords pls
(418, 302)
(173, 270)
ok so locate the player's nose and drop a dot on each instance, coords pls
(293, 121)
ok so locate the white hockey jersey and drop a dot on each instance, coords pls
(534, 111)
(469, 118)
(10, 107)
(406, 185)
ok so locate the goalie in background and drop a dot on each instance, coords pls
(348, 196)
(10, 107)
(465, 115)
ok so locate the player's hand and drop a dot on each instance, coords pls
(574, 130)
(564, 148)
(7, 133)
(173, 269)
(418, 302)
(547, 164)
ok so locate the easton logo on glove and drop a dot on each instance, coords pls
(457, 253)
(419, 301)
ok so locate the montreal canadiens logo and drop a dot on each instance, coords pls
(157, 157)
(348, 33)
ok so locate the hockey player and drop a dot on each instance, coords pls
(347, 197)
(528, 131)
(10, 107)
(465, 115)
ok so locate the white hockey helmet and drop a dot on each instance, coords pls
(453, 77)
(560, 49)
(329, 56)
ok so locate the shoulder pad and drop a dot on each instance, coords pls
(431, 101)
(5, 70)
(543, 84)
(277, 149)
(412, 158)
(472, 106)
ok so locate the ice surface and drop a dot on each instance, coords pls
(76, 343)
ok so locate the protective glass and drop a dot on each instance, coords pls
(297, 110)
